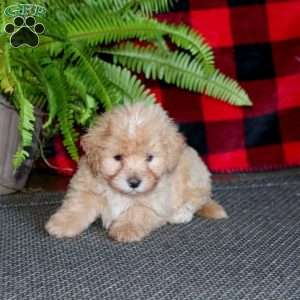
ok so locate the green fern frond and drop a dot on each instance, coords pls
(26, 125)
(107, 29)
(150, 7)
(145, 7)
(19, 157)
(187, 38)
(108, 6)
(2, 17)
(87, 115)
(64, 116)
(84, 110)
(90, 74)
(58, 96)
(27, 118)
(91, 87)
(101, 28)
(6, 81)
(75, 82)
(130, 87)
(26, 110)
(88, 104)
(49, 78)
(179, 69)
(38, 100)
(73, 8)
(36, 96)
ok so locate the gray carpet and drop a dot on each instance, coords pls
(253, 255)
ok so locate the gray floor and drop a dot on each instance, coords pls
(255, 254)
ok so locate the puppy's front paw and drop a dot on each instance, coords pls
(60, 226)
(126, 233)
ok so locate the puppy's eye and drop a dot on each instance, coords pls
(149, 157)
(118, 157)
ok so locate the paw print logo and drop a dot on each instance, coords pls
(24, 32)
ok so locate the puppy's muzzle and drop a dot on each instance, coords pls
(134, 182)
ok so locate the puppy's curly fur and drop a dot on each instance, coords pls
(137, 175)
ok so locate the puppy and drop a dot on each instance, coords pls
(137, 175)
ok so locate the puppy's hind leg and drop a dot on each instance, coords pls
(195, 198)
(212, 210)
(199, 204)
(183, 214)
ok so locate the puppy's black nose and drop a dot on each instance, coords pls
(133, 182)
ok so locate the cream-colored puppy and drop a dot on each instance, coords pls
(137, 175)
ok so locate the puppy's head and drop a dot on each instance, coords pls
(133, 146)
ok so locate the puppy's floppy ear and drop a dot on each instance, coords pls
(174, 145)
(91, 144)
(92, 152)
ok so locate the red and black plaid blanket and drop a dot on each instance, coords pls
(257, 42)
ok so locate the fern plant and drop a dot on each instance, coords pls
(88, 57)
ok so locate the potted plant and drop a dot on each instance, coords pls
(87, 57)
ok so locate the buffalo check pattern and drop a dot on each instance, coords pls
(256, 42)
